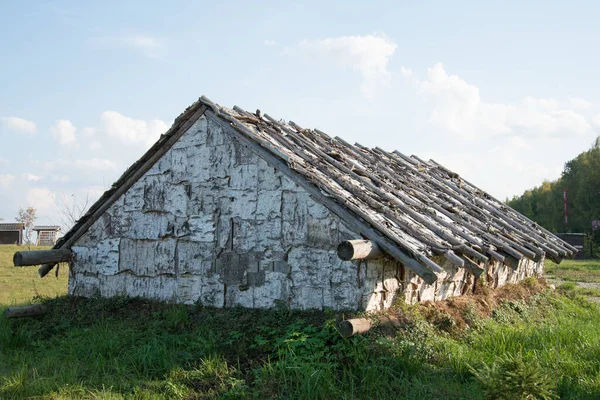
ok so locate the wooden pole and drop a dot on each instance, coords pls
(25, 311)
(44, 269)
(22, 258)
(359, 250)
(351, 327)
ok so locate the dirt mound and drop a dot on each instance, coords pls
(456, 314)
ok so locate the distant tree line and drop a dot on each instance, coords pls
(581, 179)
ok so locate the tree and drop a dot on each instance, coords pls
(27, 218)
(581, 180)
(71, 209)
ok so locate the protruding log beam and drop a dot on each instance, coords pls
(25, 311)
(44, 269)
(22, 258)
(473, 267)
(454, 259)
(495, 255)
(359, 250)
(556, 259)
(351, 327)
(510, 260)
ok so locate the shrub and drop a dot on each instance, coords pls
(513, 377)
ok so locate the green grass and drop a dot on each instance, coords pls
(575, 270)
(134, 349)
(20, 285)
(572, 287)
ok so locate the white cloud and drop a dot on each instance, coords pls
(369, 55)
(132, 131)
(269, 43)
(96, 164)
(92, 164)
(64, 132)
(79, 165)
(18, 124)
(59, 178)
(6, 180)
(457, 106)
(577, 102)
(406, 72)
(541, 103)
(4, 161)
(88, 132)
(518, 142)
(596, 122)
(31, 177)
(503, 147)
(146, 45)
(95, 145)
(42, 199)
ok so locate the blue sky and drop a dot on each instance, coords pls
(502, 92)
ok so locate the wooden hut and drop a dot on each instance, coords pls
(232, 208)
(11, 233)
(577, 240)
(46, 234)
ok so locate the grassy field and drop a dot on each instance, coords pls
(575, 270)
(504, 345)
(21, 285)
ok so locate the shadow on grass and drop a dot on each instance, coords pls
(131, 348)
(123, 348)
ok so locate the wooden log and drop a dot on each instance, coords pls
(37, 257)
(510, 260)
(351, 327)
(473, 267)
(454, 259)
(497, 256)
(421, 219)
(420, 200)
(359, 250)
(496, 215)
(556, 259)
(25, 311)
(44, 269)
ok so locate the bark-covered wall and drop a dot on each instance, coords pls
(213, 223)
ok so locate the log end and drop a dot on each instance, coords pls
(345, 251)
(556, 259)
(351, 327)
(358, 250)
(18, 259)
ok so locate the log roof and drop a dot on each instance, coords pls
(416, 210)
(13, 226)
(46, 228)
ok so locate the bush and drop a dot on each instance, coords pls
(512, 377)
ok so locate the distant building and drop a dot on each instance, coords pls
(46, 234)
(11, 233)
(576, 240)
